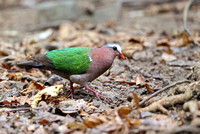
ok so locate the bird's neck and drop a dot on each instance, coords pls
(104, 55)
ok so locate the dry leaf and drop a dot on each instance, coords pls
(133, 45)
(135, 100)
(140, 80)
(35, 85)
(22, 100)
(124, 111)
(44, 122)
(163, 42)
(17, 76)
(148, 87)
(76, 126)
(52, 91)
(2, 53)
(94, 121)
(84, 114)
(127, 82)
(183, 40)
(136, 122)
(31, 87)
(6, 102)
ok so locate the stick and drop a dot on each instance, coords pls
(14, 109)
(163, 89)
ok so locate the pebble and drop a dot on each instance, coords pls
(31, 127)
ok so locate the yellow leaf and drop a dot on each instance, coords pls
(52, 91)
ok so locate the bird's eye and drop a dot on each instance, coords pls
(114, 48)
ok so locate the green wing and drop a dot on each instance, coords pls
(73, 60)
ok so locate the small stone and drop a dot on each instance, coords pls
(168, 57)
(31, 127)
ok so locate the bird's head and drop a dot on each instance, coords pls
(115, 48)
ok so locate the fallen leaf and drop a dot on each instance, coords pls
(94, 121)
(2, 53)
(136, 122)
(163, 42)
(17, 76)
(10, 101)
(35, 85)
(169, 51)
(21, 100)
(6, 102)
(84, 114)
(148, 87)
(18, 118)
(52, 91)
(124, 111)
(140, 80)
(133, 45)
(44, 122)
(183, 40)
(76, 126)
(6, 66)
(136, 100)
(127, 82)
(31, 87)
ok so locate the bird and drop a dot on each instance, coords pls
(79, 65)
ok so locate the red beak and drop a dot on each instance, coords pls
(123, 57)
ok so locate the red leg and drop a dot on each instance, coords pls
(97, 94)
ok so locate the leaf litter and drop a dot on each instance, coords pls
(28, 105)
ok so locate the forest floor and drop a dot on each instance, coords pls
(160, 56)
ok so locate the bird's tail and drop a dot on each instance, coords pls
(31, 63)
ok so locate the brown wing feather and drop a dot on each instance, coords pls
(44, 60)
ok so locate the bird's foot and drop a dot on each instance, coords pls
(96, 94)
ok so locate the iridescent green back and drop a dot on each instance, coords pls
(73, 60)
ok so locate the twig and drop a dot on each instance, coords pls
(14, 109)
(185, 14)
(163, 89)
(183, 129)
(189, 75)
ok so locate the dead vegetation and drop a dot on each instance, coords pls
(155, 90)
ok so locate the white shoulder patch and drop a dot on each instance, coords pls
(90, 58)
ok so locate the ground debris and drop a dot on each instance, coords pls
(187, 93)
(158, 54)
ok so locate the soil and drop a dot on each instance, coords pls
(158, 54)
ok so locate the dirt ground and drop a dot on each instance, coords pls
(160, 56)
